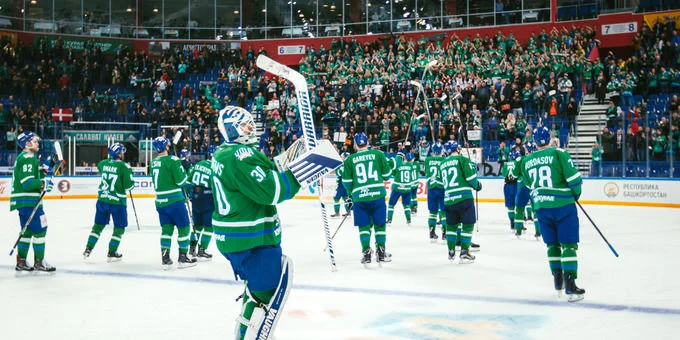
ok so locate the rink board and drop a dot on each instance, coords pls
(606, 191)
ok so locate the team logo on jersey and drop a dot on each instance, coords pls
(64, 186)
(611, 190)
(244, 153)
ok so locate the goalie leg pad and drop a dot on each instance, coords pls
(265, 317)
(316, 163)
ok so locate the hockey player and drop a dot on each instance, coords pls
(246, 188)
(116, 181)
(364, 175)
(415, 174)
(169, 177)
(202, 204)
(555, 185)
(522, 204)
(435, 188)
(401, 186)
(28, 182)
(510, 187)
(341, 193)
(460, 178)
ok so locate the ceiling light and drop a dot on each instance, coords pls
(128, 10)
(264, 10)
(302, 15)
(155, 10)
(33, 2)
(236, 12)
(332, 6)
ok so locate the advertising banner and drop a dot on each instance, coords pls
(78, 44)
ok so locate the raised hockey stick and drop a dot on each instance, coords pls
(476, 192)
(307, 118)
(60, 158)
(134, 209)
(598, 229)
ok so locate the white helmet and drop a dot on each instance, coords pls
(237, 126)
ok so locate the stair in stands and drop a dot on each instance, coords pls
(591, 119)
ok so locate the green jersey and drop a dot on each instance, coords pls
(168, 176)
(509, 173)
(551, 176)
(433, 172)
(415, 172)
(403, 176)
(364, 175)
(246, 188)
(459, 175)
(26, 182)
(116, 181)
(199, 174)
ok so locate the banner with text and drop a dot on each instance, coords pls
(78, 44)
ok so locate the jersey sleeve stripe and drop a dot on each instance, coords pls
(575, 176)
(471, 177)
(168, 192)
(26, 179)
(277, 188)
(181, 183)
(286, 184)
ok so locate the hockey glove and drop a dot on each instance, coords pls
(479, 186)
(576, 197)
(294, 151)
(315, 163)
(48, 185)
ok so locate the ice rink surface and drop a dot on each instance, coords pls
(506, 294)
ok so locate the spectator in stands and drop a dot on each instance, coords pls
(607, 140)
(596, 155)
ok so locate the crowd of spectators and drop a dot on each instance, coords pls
(489, 83)
(643, 116)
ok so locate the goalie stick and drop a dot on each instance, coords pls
(60, 158)
(307, 118)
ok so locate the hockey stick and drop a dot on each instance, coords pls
(60, 157)
(338, 229)
(175, 140)
(598, 229)
(308, 130)
(134, 209)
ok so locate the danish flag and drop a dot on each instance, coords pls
(62, 115)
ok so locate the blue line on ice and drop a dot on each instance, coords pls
(388, 292)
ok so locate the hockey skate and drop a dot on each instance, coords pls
(113, 256)
(573, 292)
(337, 214)
(22, 266)
(185, 261)
(433, 236)
(518, 234)
(389, 223)
(366, 259)
(348, 213)
(558, 280)
(382, 256)
(43, 266)
(414, 210)
(203, 255)
(474, 247)
(86, 253)
(166, 261)
(466, 257)
(452, 254)
(408, 223)
(192, 248)
(538, 236)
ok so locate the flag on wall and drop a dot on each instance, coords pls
(594, 54)
(62, 115)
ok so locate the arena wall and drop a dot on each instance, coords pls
(606, 191)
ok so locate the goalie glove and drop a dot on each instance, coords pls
(294, 151)
(315, 163)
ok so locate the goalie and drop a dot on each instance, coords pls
(246, 188)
